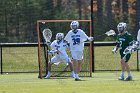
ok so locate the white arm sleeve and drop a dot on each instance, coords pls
(84, 36)
(67, 37)
(53, 46)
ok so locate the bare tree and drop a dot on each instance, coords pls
(100, 11)
(79, 8)
(125, 10)
(109, 13)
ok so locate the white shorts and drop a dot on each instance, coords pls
(77, 55)
(57, 59)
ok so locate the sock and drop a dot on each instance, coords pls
(76, 75)
(73, 72)
(49, 73)
(122, 74)
(129, 74)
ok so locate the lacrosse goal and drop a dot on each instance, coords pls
(63, 26)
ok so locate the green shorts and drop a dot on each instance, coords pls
(127, 56)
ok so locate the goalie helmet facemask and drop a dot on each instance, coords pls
(121, 27)
(59, 36)
(74, 25)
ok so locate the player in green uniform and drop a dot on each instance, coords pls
(124, 39)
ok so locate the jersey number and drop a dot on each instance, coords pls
(120, 44)
(76, 41)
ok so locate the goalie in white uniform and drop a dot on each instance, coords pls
(76, 37)
(59, 47)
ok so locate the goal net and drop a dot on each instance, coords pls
(63, 26)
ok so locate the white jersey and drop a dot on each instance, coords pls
(60, 46)
(138, 35)
(76, 40)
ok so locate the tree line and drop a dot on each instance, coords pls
(18, 17)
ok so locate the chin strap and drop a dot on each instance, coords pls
(75, 30)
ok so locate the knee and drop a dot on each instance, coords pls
(49, 63)
(74, 60)
(122, 62)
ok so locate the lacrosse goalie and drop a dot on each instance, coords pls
(59, 54)
(76, 37)
(124, 39)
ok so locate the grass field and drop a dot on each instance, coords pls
(25, 59)
(101, 82)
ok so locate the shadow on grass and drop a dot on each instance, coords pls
(57, 78)
(128, 80)
(80, 80)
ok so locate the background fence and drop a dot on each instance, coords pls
(22, 58)
(19, 57)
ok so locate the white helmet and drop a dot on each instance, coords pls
(74, 25)
(121, 27)
(59, 36)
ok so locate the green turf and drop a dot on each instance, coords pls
(102, 82)
(21, 59)
(106, 60)
(25, 59)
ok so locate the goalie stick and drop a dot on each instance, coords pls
(47, 35)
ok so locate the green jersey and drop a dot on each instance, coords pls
(124, 40)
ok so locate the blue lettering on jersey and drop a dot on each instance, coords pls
(74, 36)
(121, 39)
(64, 45)
(57, 47)
(75, 39)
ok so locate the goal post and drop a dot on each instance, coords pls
(62, 26)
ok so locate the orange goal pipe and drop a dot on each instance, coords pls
(39, 54)
(62, 20)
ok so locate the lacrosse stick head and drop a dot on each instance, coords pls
(110, 33)
(47, 34)
(128, 50)
(132, 48)
(135, 45)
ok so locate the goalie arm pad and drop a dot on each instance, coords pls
(53, 52)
